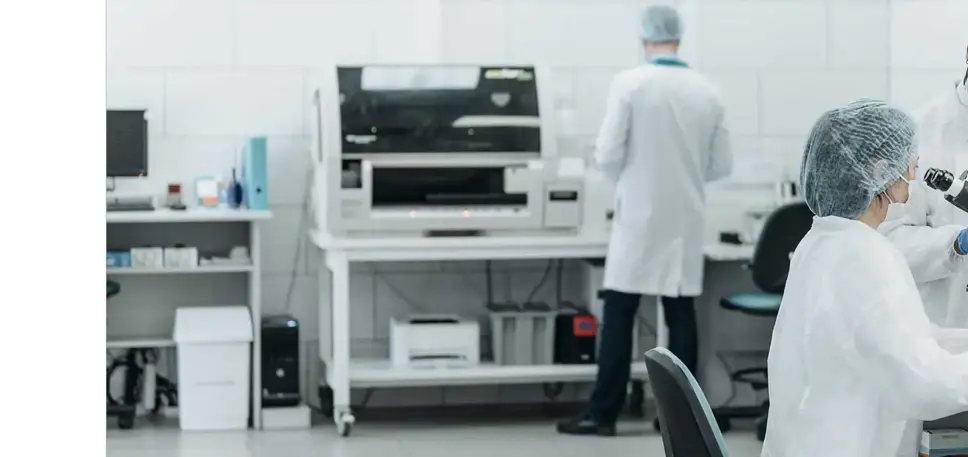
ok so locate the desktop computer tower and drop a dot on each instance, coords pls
(255, 174)
(280, 361)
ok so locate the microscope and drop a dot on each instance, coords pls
(955, 190)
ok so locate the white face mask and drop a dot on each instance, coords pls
(891, 199)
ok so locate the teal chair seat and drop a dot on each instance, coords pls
(755, 303)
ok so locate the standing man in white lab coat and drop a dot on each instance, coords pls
(663, 138)
(929, 231)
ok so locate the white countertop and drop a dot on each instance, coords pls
(492, 248)
(461, 248)
(165, 215)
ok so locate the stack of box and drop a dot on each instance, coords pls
(147, 257)
(181, 257)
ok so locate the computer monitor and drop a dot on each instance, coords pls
(127, 143)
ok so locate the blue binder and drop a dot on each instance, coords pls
(255, 174)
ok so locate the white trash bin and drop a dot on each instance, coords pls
(214, 359)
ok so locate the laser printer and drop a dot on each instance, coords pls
(429, 341)
(428, 150)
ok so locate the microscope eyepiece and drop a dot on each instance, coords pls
(940, 180)
(955, 189)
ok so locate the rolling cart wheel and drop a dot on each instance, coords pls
(126, 422)
(344, 429)
(344, 425)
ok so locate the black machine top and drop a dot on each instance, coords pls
(438, 109)
(127, 143)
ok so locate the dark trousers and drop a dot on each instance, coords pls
(615, 352)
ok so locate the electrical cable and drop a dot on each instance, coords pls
(399, 293)
(471, 284)
(367, 395)
(115, 364)
(558, 283)
(301, 231)
(489, 283)
(541, 282)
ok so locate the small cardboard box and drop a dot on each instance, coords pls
(944, 443)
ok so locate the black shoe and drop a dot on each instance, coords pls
(585, 425)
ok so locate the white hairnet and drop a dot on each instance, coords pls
(661, 24)
(853, 154)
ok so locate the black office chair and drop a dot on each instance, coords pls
(781, 234)
(113, 288)
(688, 426)
(126, 408)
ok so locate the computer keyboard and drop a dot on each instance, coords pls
(137, 206)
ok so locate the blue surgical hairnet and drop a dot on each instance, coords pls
(661, 24)
(853, 154)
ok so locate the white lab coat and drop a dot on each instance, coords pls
(854, 360)
(662, 139)
(926, 228)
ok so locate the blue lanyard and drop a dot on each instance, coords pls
(669, 61)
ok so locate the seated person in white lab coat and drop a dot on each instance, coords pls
(930, 232)
(855, 363)
(663, 138)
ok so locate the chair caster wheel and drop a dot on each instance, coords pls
(725, 425)
(125, 422)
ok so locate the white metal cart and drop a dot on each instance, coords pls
(343, 373)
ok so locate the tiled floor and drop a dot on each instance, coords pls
(530, 439)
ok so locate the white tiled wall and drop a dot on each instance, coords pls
(214, 71)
